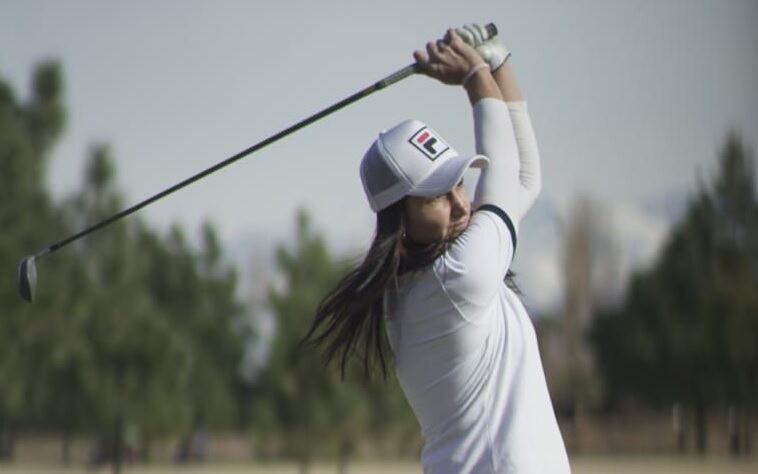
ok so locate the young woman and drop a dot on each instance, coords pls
(464, 348)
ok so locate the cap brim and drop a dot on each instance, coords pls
(447, 175)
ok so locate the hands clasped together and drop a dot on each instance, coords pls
(460, 53)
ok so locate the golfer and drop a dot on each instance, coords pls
(433, 283)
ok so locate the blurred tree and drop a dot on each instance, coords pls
(688, 330)
(735, 280)
(27, 134)
(138, 372)
(300, 400)
(131, 335)
(197, 294)
(591, 275)
(164, 350)
(60, 355)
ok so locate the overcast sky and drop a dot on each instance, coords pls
(628, 99)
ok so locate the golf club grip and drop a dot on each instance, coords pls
(408, 70)
(491, 30)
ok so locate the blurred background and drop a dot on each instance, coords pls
(169, 340)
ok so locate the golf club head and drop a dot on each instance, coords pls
(27, 278)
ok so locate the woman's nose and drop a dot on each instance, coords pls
(459, 202)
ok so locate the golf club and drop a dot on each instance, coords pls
(27, 268)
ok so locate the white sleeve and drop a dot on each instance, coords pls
(495, 138)
(473, 268)
(530, 174)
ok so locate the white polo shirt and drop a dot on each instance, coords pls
(466, 357)
(465, 349)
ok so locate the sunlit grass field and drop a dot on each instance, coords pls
(580, 465)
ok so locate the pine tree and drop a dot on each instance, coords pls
(688, 330)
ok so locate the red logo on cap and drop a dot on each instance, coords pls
(428, 143)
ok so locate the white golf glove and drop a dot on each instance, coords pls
(490, 49)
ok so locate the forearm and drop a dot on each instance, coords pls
(506, 82)
(530, 173)
(499, 181)
(482, 85)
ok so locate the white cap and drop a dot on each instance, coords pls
(411, 159)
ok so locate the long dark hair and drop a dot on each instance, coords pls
(349, 321)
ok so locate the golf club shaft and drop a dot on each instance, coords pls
(387, 81)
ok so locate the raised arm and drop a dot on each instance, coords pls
(479, 258)
(497, 56)
(454, 62)
(530, 171)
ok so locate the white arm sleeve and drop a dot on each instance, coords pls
(473, 268)
(499, 182)
(530, 174)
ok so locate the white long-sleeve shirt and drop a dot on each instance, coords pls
(465, 349)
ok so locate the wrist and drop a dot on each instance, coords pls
(477, 69)
(482, 84)
(497, 62)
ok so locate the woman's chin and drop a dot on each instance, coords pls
(458, 229)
